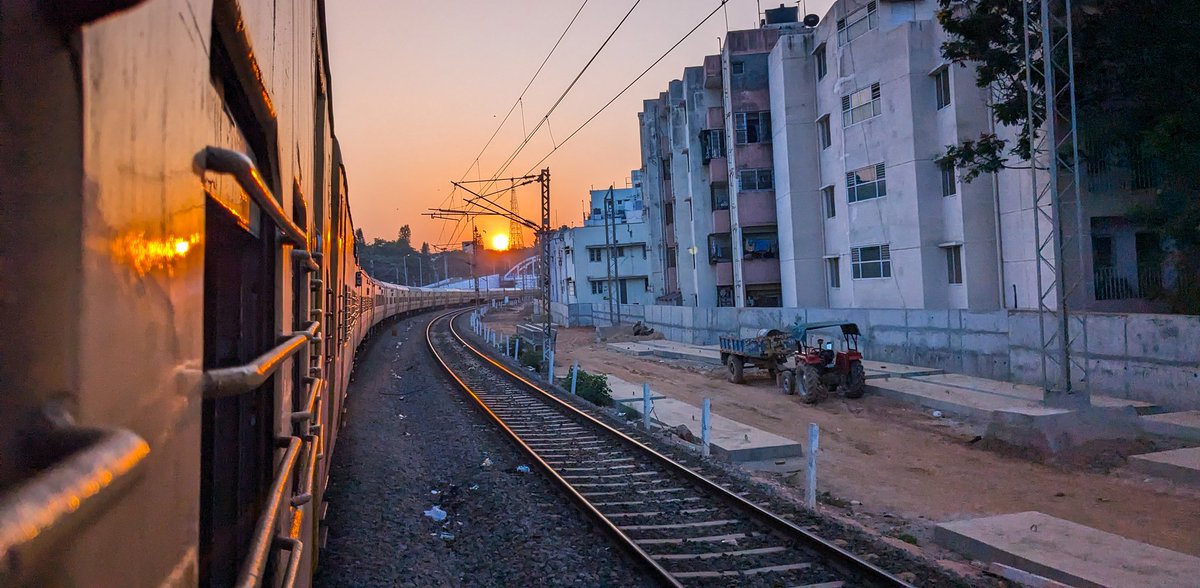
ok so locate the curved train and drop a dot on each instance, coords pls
(180, 290)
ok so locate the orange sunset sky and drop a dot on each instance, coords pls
(420, 85)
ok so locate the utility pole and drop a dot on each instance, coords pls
(610, 223)
(420, 271)
(406, 283)
(544, 279)
(476, 243)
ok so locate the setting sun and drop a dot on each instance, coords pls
(500, 242)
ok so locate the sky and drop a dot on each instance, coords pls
(420, 85)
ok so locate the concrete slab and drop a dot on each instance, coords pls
(1177, 465)
(729, 439)
(1181, 425)
(1067, 552)
(636, 349)
(707, 354)
(881, 369)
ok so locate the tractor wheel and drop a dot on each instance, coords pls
(856, 382)
(735, 369)
(810, 388)
(787, 382)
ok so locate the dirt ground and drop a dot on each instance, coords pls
(903, 469)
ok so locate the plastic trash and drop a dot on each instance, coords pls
(434, 492)
(729, 542)
(487, 462)
(937, 414)
(524, 469)
(400, 416)
(436, 513)
(445, 536)
(473, 487)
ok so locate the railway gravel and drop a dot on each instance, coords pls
(412, 442)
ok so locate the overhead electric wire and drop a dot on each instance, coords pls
(630, 85)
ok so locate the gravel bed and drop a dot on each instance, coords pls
(411, 442)
(913, 568)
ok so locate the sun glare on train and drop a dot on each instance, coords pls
(500, 242)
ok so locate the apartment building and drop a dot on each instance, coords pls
(607, 259)
(798, 168)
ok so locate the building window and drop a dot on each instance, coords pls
(599, 287)
(861, 105)
(764, 296)
(724, 295)
(760, 245)
(720, 197)
(756, 179)
(671, 257)
(712, 144)
(737, 68)
(954, 264)
(823, 136)
(595, 254)
(941, 79)
(666, 168)
(949, 182)
(621, 251)
(752, 127)
(871, 262)
(866, 183)
(835, 272)
(720, 248)
(669, 213)
(822, 66)
(830, 203)
(857, 23)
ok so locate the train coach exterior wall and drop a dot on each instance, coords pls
(1149, 357)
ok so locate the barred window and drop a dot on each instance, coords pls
(720, 197)
(949, 182)
(712, 144)
(835, 272)
(756, 179)
(752, 127)
(954, 264)
(871, 262)
(595, 254)
(830, 201)
(861, 105)
(857, 23)
(941, 79)
(720, 248)
(866, 183)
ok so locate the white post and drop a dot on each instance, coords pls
(704, 426)
(550, 367)
(574, 376)
(517, 350)
(646, 406)
(810, 491)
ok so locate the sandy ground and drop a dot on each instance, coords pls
(902, 463)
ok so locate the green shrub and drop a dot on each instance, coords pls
(593, 387)
(531, 357)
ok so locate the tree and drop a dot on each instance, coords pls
(359, 238)
(1136, 101)
(405, 237)
(425, 249)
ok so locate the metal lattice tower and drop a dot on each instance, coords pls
(544, 273)
(1058, 203)
(516, 239)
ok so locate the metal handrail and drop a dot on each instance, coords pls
(231, 381)
(306, 258)
(36, 516)
(310, 405)
(264, 532)
(239, 166)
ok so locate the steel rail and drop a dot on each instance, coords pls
(37, 516)
(840, 559)
(264, 532)
(238, 165)
(231, 381)
(623, 539)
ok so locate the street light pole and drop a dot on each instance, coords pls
(406, 283)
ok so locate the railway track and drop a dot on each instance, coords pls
(688, 530)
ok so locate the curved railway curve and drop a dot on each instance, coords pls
(687, 529)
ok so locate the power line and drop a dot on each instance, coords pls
(631, 84)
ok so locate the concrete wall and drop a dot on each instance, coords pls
(1149, 357)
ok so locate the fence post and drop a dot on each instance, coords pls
(704, 426)
(646, 406)
(810, 490)
(550, 367)
(574, 376)
(517, 350)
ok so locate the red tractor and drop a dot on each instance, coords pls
(821, 368)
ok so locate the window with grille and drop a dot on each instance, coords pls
(595, 254)
(941, 79)
(760, 245)
(835, 272)
(954, 264)
(949, 182)
(737, 68)
(720, 197)
(861, 105)
(712, 144)
(822, 66)
(724, 295)
(871, 262)
(857, 23)
(599, 287)
(866, 183)
(823, 137)
(756, 179)
(671, 257)
(720, 248)
(752, 127)
(830, 202)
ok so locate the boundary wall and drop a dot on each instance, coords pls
(1149, 357)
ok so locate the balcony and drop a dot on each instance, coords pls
(718, 170)
(724, 273)
(712, 72)
(760, 271)
(1112, 285)
(756, 208)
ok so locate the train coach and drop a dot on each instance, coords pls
(179, 288)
